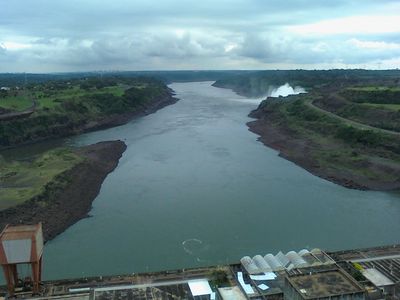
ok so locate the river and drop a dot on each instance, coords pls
(196, 188)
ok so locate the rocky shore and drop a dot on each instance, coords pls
(68, 198)
(299, 150)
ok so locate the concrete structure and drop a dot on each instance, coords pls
(330, 284)
(200, 289)
(323, 278)
(21, 245)
(273, 262)
(379, 265)
(288, 261)
(232, 292)
(262, 265)
(249, 265)
(296, 259)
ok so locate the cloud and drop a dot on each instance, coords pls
(351, 25)
(45, 35)
(295, 50)
(375, 45)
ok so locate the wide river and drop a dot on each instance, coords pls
(196, 188)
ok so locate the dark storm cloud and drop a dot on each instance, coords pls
(48, 35)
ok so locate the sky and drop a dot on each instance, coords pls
(92, 35)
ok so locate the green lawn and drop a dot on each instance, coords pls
(16, 103)
(20, 181)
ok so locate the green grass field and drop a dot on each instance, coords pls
(21, 180)
(15, 103)
(51, 99)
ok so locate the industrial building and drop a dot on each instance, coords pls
(326, 284)
(379, 267)
(372, 273)
(288, 261)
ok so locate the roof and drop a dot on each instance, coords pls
(200, 287)
(288, 261)
(21, 244)
(19, 232)
(230, 293)
(324, 284)
(376, 277)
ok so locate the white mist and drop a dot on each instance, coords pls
(286, 90)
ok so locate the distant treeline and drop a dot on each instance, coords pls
(259, 83)
(22, 79)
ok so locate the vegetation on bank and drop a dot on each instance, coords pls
(345, 129)
(334, 146)
(376, 106)
(23, 180)
(70, 106)
(373, 94)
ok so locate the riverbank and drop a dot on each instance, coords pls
(121, 119)
(298, 151)
(71, 108)
(100, 123)
(69, 196)
(326, 147)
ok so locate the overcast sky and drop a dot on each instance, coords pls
(86, 35)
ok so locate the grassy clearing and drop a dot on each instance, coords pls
(53, 98)
(16, 103)
(374, 88)
(21, 180)
(372, 94)
(394, 107)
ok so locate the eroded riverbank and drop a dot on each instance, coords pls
(68, 197)
(327, 147)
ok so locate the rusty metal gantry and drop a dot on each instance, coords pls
(21, 245)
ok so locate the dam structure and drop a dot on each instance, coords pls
(371, 273)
